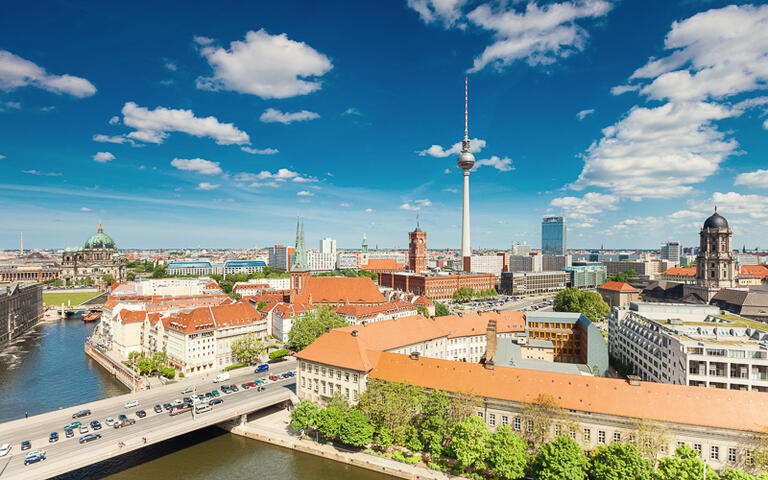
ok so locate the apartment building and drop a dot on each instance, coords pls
(533, 283)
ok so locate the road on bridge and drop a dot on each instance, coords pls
(68, 454)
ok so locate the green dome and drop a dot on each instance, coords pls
(100, 240)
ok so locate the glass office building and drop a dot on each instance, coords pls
(553, 236)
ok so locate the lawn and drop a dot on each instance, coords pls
(74, 298)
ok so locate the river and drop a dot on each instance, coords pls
(47, 369)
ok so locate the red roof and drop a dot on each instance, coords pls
(618, 287)
(130, 316)
(383, 264)
(760, 271)
(680, 271)
(340, 290)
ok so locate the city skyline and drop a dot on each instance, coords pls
(178, 145)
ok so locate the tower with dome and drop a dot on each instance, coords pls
(715, 268)
(97, 258)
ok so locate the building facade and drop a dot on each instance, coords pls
(184, 268)
(533, 283)
(618, 294)
(715, 267)
(98, 258)
(21, 308)
(553, 236)
(493, 264)
(233, 267)
(586, 276)
(436, 287)
(280, 257)
(417, 250)
(671, 251)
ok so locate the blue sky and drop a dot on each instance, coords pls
(216, 124)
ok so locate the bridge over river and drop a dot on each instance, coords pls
(68, 454)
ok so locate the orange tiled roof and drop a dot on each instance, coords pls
(382, 264)
(340, 290)
(680, 271)
(469, 324)
(760, 271)
(653, 401)
(130, 316)
(618, 287)
(368, 311)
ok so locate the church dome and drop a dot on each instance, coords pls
(716, 221)
(100, 240)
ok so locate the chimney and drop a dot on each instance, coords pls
(364, 322)
(327, 329)
(415, 355)
(490, 341)
(633, 380)
(354, 333)
(489, 365)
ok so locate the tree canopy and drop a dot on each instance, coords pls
(441, 310)
(308, 327)
(469, 442)
(685, 464)
(619, 461)
(507, 453)
(591, 304)
(561, 459)
(355, 429)
(304, 415)
(248, 348)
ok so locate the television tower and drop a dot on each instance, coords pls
(466, 162)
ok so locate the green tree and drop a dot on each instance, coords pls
(130, 276)
(248, 348)
(304, 415)
(355, 429)
(329, 422)
(278, 354)
(392, 405)
(108, 279)
(650, 438)
(507, 453)
(590, 304)
(308, 327)
(159, 271)
(434, 421)
(731, 474)
(539, 416)
(561, 459)
(619, 461)
(685, 464)
(463, 294)
(441, 310)
(339, 401)
(160, 360)
(261, 305)
(422, 310)
(384, 439)
(469, 442)
(412, 440)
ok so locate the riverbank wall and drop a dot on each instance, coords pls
(122, 373)
(272, 428)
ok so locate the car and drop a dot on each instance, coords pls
(26, 445)
(95, 424)
(39, 457)
(273, 377)
(208, 395)
(187, 400)
(167, 406)
(69, 433)
(202, 408)
(141, 413)
(110, 422)
(53, 438)
(260, 388)
(177, 402)
(81, 413)
(125, 423)
(131, 404)
(179, 409)
(83, 428)
(122, 417)
(291, 373)
(72, 425)
(225, 389)
(245, 386)
(215, 393)
(188, 390)
(89, 438)
(158, 409)
(215, 401)
(234, 388)
(4, 449)
(262, 368)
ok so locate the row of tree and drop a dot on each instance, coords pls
(622, 277)
(336, 422)
(465, 294)
(348, 272)
(591, 304)
(157, 364)
(308, 327)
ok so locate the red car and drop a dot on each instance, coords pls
(273, 377)
(251, 384)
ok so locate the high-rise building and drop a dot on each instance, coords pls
(417, 250)
(671, 251)
(553, 233)
(466, 162)
(521, 249)
(328, 245)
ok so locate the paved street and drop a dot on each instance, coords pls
(155, 426)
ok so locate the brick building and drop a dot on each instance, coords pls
(436, 287)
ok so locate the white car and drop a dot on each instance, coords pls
(188, 390)
(4, 449)
(177, 402)
(83, 428)
(32, 453)
(110, 422)
(132, 403)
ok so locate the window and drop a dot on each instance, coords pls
(731, 454)
(714, 452)
(338, 374)
(749, 460)
(354, 378)
(572, 433)
(557, 430)
(680, 444)
(323, 387)
(616, 436)
(323, 370)
(354, 394)
(346, 392)
(346, 376)
(330, 372)
(516, 424)
(601, 437)
(481, 415)
(504, 420)
(303, 366)
(492, 419)
(302, 382)
(697, 447)
(317, 369)
(316, 385)
(587, 435)
(529, 426)
(330, 389)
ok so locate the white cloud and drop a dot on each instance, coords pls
(207, 186)
(271, 115)
(591, 203)
(423, 203)
(352, 111)
(369, 210)
(501, 164)
(450, 190)
(115, 119)
(447, 170)
(103, 157)
(416, 205)
(44, 174)
(446, 11)
(2, 157)
(263, 151)
(620, 89)
(585, 113)
(634, 226)
(304, 193)
(199, 165)
(171, 66)
(281, 175)
(344, 204)
(756, 179)
(16, 72)
(539, 35)
(153, 126)
(112, 139)
(269, 66)
(684, 214)
(438, 151)
(85, 209)
(201, 40)
(4, 106)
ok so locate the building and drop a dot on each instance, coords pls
(643, 267)
(358, 314)
(521, 248)
(245, 267)
(586, 276)
(524, 263)
(21, 308)
(15, 273)
(671, 251)
(692, 345)
(383, 265)
(417, 250)
(573, 337)
(714, 263)
(618, 294)
(258, 286)
(533, 283)
(184, 268)
(279, 257)
(319, 261)
(493, 264)
(466, 162)
(166, 287)
(555, 262)
(436, 287)
(328, 246)
(553, 236)
(749, 302)
(99, 258)
(685, 275)
(283, 316)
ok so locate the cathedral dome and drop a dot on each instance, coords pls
(716, 221)
(100, 240)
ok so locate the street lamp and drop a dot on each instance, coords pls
(194, 396)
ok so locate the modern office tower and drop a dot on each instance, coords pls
(328, 245)
(671, 251)
(553, 233)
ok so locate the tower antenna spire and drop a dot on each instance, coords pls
(466, 108)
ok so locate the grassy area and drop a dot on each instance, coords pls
(74, 298)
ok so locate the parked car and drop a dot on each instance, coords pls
(245, 386)
(262, 368)
(177, 402)
(122, 417)
(234, 388)
(215, 393)
(89, 438)
(38, 457)
(4, 449)
(26, 445)
(225, 389)
(125, 423)
(141, 413)
(188, 390)
(83, 429)
(158, 409)
(131, 404)
(167, 406)
(215, 401)
(202, 408)
(110, 422)
(95, 424)
(53, 438)
(72, 425)
(81, 413)
(69, 433)
(273, 377)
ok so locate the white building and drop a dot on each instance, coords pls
(485, 264)
(256, 286)
(690, 345)
(246, 267)
(167, 287)
(320, 261)
(356, 314)
(347, 260)
(189, 268)
(328, 245)
(283, 316)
